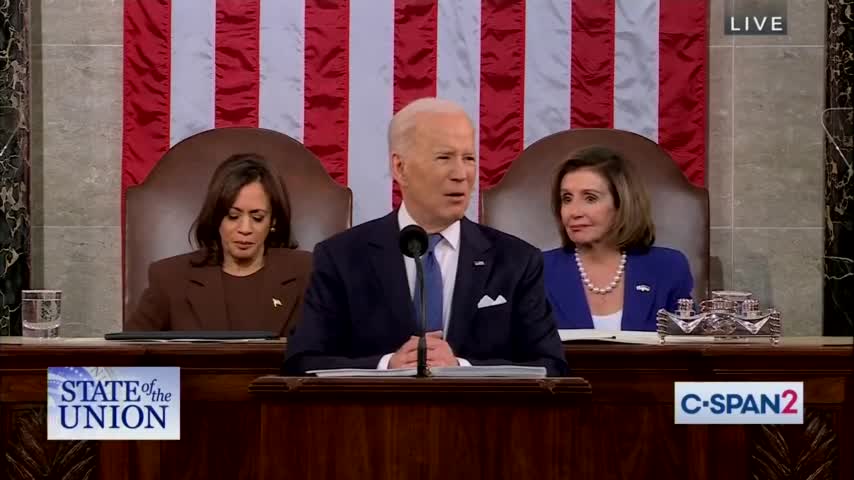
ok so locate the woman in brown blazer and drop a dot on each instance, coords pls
(246, 274)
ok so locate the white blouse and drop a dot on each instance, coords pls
(611, 322)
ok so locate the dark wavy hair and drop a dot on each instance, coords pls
(228, 179)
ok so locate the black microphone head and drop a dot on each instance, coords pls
(413, 241)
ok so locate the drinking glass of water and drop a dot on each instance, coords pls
(41, 313)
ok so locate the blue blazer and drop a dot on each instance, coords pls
(358, 306)
(665, 271)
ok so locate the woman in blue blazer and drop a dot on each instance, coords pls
(607, 275)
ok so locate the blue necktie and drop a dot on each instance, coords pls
(432, 287)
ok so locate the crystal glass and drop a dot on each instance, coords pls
(41, 313)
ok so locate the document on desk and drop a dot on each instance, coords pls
(475, 371)
(200, 340)
(592, 335)
(364, 372)
(201, 336)
(589, 335)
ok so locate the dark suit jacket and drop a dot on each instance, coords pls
(358, 306)
(665, 271)
(183, 297)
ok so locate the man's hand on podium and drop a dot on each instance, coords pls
(406, 356)
(439, 353)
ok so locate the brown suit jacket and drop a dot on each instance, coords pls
(183, 297)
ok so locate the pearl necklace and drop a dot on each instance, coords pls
(611, 286)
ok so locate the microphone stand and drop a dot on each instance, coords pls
(422, 307)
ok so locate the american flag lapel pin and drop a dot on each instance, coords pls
(642, 288)
(479, 263)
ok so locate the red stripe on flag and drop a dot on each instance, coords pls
(146, 95)
(146, 88)
(237, 69)
(327, 63)
(502, 87)
(415, 46)
(682, 79)
(592, 64)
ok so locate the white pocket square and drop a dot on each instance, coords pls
(487, 301)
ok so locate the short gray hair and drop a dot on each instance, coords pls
(403, 123)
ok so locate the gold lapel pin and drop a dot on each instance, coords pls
(277, 302)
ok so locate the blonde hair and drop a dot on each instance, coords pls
(633, 227)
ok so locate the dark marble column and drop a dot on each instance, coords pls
(839, 170)
(14, 161)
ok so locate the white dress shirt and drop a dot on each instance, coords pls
(447, 254)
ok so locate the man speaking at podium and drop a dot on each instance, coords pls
(483, 289)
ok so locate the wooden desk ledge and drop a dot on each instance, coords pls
(547, 387)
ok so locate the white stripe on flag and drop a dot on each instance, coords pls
(547, 54)
(458, 66)
(192, 83)
(282, 65)
(636, 67)
(371, 106)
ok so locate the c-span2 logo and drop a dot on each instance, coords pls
(113, 403)
(703, 403)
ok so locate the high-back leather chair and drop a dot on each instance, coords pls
(521, 203)
(160, 211)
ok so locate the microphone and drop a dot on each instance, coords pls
(413, 243)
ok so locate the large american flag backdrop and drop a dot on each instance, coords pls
(331, 73)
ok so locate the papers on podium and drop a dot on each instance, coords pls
(477, 371)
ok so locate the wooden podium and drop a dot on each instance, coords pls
(239, 421)
(420, 428)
